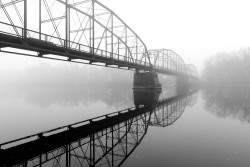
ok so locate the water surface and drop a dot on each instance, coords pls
(212, 130)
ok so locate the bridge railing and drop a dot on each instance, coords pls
(84, 26)
(59, 42)
(42, 38)
(86, 22)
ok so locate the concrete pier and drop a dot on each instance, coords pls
(146, 80)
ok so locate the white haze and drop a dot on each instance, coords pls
(195, 29)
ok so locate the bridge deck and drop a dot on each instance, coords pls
(74, 55)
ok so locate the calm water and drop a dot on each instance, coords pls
(209, 128)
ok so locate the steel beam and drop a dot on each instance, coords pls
(25, 20)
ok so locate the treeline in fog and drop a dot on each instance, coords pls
(70, 75)
(228, 68)
(65, 74)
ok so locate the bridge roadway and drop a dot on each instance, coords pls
(46, 142)
(48, 48)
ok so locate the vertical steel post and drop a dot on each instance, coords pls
(93, 26)
(67, 25)
(164, 58)
(112, 37)
(106, 42)
(40, 19)
(163, 108)
(167, 60)
(106, 139)
(136, 51)
(118, 131)
(126, 137)
(158, 59)
(118, 49)
(25, 164)
(172, 62)
(40, 160)
(90, 149)
(90, 35)
(25, 19)
(112, 145)
(167, 112)
(175, 60)
(126, 49)
(137, 131)
(67, 156)
(93, 148)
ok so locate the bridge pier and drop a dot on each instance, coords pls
(146, 80)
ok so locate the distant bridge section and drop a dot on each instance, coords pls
(191, 70)
(83, 31)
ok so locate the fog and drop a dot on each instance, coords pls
(228, 103)
(228, 68)
(194, 29)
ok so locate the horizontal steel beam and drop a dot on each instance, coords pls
(104, 13)
(56, 18)
(10, 3)
(81, 2)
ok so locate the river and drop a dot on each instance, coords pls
(211, 128)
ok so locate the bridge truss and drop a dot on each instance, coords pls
(83, 31)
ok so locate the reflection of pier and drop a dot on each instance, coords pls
(146, 97)
(103, 141)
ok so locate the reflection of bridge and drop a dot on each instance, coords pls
(81, 31)
(168, 113)
(103, 141)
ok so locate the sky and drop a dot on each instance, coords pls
(195, 29)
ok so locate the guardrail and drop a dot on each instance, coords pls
(59, 42)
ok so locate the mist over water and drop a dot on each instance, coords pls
(46, 96)
(87, 115)
(228, 102)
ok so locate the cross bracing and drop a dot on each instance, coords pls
(80, 30)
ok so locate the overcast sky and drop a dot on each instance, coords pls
(195, 29)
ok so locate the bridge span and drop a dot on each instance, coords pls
(82, 31)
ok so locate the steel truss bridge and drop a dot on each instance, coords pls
(106, 140)
(82, 31)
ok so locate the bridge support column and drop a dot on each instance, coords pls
(146, 80)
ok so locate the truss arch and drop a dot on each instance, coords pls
(167, 59)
